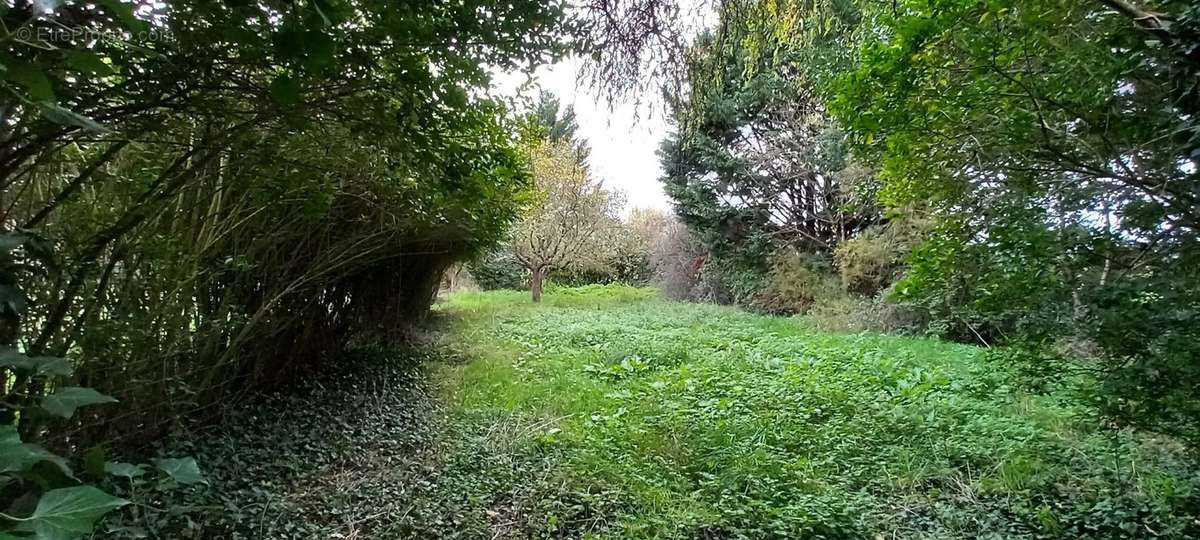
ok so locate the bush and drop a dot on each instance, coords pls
(1129, 313)
(498, 269)
(848, 313)
(1144, 327)
(795, 282)
(677, 259)
(873, 260)
(626, 268)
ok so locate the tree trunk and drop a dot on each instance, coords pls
(535, 284)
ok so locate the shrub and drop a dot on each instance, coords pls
(498, 269)
(873, 260)
(677, 260)
(725, 281)
(848, 313)
(795, 282)
(628, 268)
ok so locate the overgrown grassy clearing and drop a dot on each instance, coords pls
(607, 412)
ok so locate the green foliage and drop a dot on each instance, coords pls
(20, 456)
(41, 497)
(649, 419)
(1011, 286)
(64, 400)
(1144, 328)
(796, 282)
(758, 171)
(182, 470)
(853, 313)
(273, 469)
(68, 513)
(607, 412)
(732, 281)
(559, 124)
(235, 191)
(498, 269)
(627, 267)
(238, 190)
(1062, 177)
(756, 164)
(876, 258)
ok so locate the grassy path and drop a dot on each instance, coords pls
(608, 413)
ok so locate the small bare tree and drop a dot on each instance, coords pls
(569, 219)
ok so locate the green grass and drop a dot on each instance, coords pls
(611, 413)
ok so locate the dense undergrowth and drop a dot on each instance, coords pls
(606, 412)
(686, 421)
(336, 458)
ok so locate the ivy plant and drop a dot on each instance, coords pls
(41, 496)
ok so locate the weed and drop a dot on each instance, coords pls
(700, 421)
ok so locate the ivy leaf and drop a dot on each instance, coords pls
(51, 366)
(47, 366)
(16, 456)
(11, 359)
(183, 470)
(11, 240)
(124, 470)
(69, 513)
(64, 401)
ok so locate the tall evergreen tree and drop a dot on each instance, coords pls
(560, 125)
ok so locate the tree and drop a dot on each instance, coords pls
(1063, 175)
(757, 164)
(237, 188)
(226, 194)
(569, 219)
(560, 125)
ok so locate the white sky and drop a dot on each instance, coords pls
(623, 144)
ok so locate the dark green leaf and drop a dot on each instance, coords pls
(60, 115)
(33, 79)
(285, 90)
(88, 62)
(11, 300)
(11, 240)
(183, 470)
(124, 470)
(50, 366)
(64, 401)
(10, 358)
(69, 513)
(16, 456)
